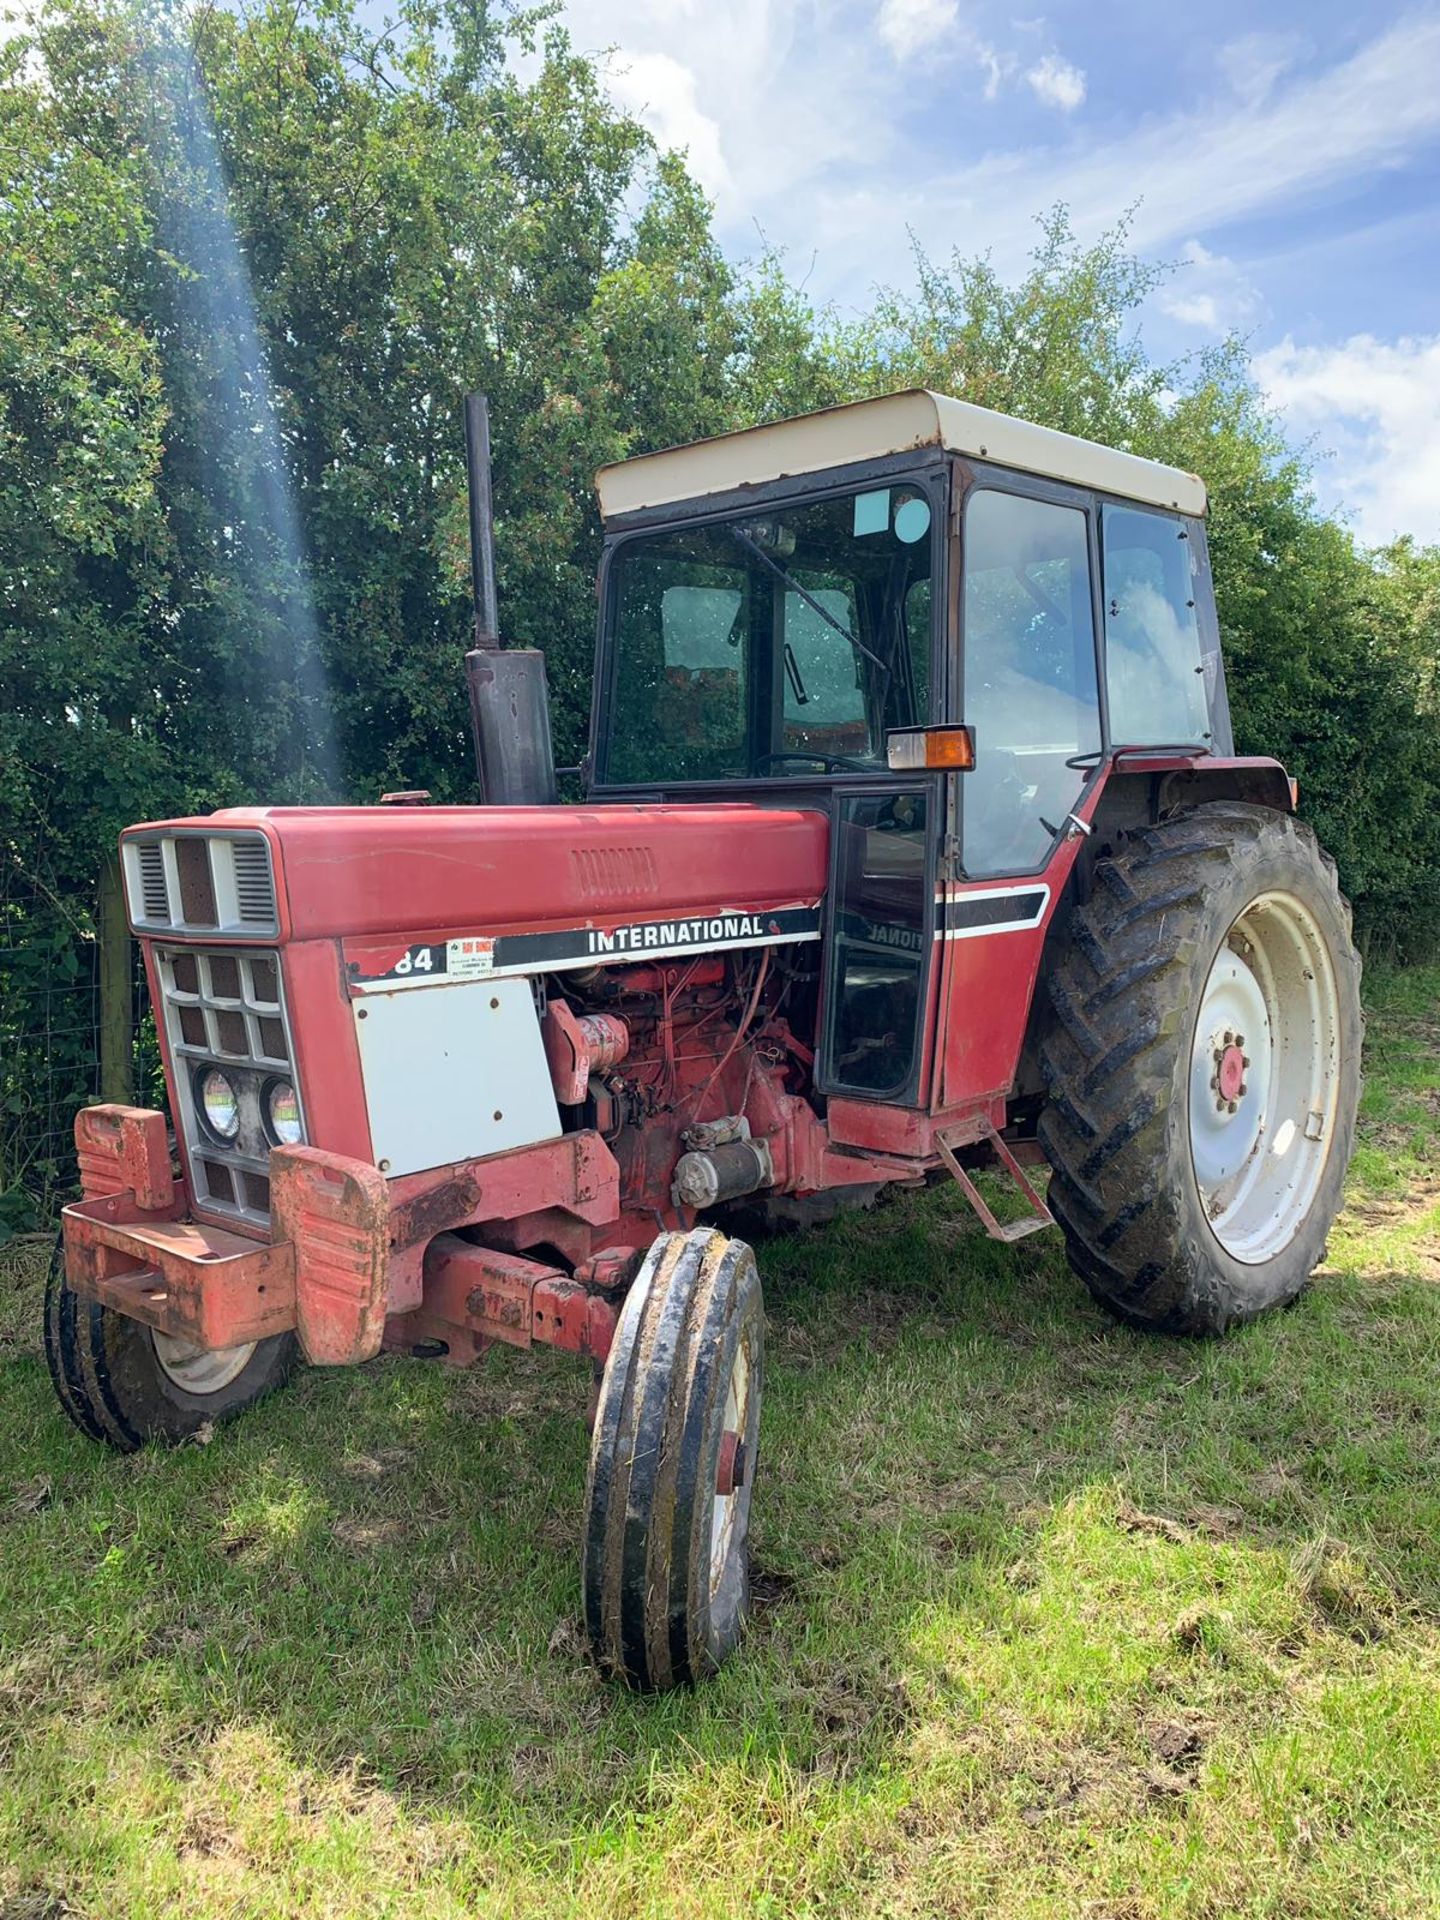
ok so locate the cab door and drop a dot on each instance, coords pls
(879, 942)
(1029, 689)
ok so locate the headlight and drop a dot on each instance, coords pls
(282, 1113)
(219, 1105)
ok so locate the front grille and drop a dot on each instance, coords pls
(226, 1010)
(201, 883)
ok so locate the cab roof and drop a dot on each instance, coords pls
(872, 429)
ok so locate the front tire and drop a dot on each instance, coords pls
(672, 1465)
(1203, 1069)
(122, 1383)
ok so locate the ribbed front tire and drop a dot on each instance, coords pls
(666, 1568)
(1203, 1069)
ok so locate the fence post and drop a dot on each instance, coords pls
(117, 1051)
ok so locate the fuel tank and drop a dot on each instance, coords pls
(357, 871)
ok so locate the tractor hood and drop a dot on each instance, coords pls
(366, 871)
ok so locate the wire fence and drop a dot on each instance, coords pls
(49, 1033)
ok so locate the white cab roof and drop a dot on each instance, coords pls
(871, 429)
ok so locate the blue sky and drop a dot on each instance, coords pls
(1286, 158)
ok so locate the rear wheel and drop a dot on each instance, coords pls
(672, 1463)
(123, 1383)
(1203, 1069)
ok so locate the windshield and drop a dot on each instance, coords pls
(774, 644)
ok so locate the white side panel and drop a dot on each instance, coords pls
(454, 1073)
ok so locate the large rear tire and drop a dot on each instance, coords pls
(121, 1383)
(672, 1465)
(1203, 1069)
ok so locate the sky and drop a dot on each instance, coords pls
(1284, 159)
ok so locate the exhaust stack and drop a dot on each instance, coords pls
(509, 698)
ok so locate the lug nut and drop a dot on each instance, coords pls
(1232, 1105)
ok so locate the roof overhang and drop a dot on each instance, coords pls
(874, 429)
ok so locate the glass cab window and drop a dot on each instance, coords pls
(1153, 665)
(1030, 684)
(783, 643)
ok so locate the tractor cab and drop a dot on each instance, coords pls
(935, 623)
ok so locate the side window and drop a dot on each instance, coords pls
(1029, 676)
(1154, 672)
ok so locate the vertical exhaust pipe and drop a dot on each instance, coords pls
(509, 698)
(482, 521)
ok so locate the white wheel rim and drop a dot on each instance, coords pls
(1264, 1078)
(725, 1506)
(199, 1370)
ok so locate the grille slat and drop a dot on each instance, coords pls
(254, 882)
(154, 898)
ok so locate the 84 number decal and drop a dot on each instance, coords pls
(418, 960)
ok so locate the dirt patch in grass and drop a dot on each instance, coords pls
(24, 1264)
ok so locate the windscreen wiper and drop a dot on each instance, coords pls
(792, 674)
(753, 546)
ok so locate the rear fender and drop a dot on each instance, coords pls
(1140, 789)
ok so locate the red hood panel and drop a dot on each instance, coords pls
(361, 870)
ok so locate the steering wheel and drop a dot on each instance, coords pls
(843, 761)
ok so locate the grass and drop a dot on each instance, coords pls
(1055, 1619)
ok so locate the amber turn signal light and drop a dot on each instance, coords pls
(926, 749)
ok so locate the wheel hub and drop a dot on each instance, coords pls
(1265, 1077)
(1230, 1065)
(730, 1466)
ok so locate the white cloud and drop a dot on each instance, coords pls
(1057, 82)
(1253, 63)
(768, 96)
(1375, 405)
(995, 69)
(1210, 292)
(906, 26)
(661, 93)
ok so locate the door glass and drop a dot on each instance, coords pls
(1029, 677)
(1154, 671)
(880, 940)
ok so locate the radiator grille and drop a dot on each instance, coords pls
(226, 1010)
(150, 862)
(191, 882)
(254, 882)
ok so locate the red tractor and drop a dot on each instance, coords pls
(914, 841)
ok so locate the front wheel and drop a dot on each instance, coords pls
(672, 1465)
(1203, 1069)
(123, 1383)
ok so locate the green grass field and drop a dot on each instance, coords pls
(1054, 1619)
